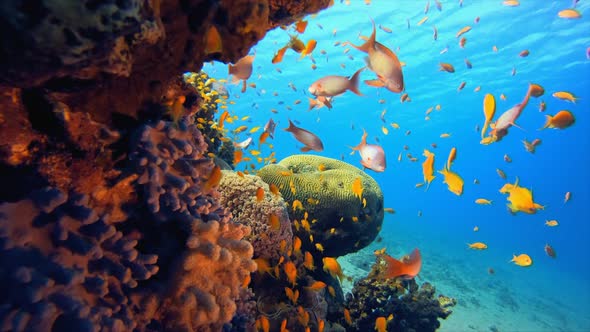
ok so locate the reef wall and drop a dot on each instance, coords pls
(110, 218)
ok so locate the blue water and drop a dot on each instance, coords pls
(557, 61)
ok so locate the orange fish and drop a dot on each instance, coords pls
(278, 57)
(357, 188)
(291, 272)
(274, 189)
(213, 180)
(300, 26)
(309, 139)
(536, 90)
(347, 318)
(569, 13)
(524, 53)
(332, 266)
(428, 167)
(320, 102)
(263, 324)
(274, 222)
(383, 62)
(259, 194)
(308, 261)
(316, 286)
(446, 67)
(561, 120)
(463, 31)
(381, 324)
(311, 44)
(213, 42)
(406, 268)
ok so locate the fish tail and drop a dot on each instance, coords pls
(354, 82)
(547, 122)
(291, 126)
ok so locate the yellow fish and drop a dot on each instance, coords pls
(520, 199)
(483, 201)
(489, 109)
(564, 95)
(522, 260)
(332, 266)
(477, 245)
(428, 167)
(569, 13)
(451, 157)
(357, 187)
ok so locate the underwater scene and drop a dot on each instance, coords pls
(313, 165)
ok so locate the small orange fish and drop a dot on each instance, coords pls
(291, 272)
(569, 13)
(463, 31)
(274, 222)
(259, 194)
(446, 67)
(332, 266)
(316, 286)
(381, 324)
(274, 189)
(300, 26)
(309, 47)
(524, 53)
(462, 42)
(213, 179)
(213, 42)
(347, 318)
(308, 261)
(357, 187)
(278, 57)
(405, 268)
(561, 120)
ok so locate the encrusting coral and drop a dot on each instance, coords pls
(344, 223)
(238, 194)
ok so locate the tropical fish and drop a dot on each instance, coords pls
(489, 109)
(551, 223)
(309, 139)
(309, 47)
(522, 260)
(446, 67)
(259, 194)
(483, 201)
(507, 158)
(564, 95)
(428, 167)
(536, 90)
(550, 251)
(244, 144)
(319, 102)
(520, 199)
(453, 180)
(213, 42)
(242, 70)
(463, 30)
(278, 57)
(332, 266)
(477, 245)
(568, 196)
(334, 85)
(569, 13)
(372, 155)
(451, 157)
(357, 188)
(511, 3)
(561, 120)
(213, 179)
(501, 173)
(381, 324)
(291, 272)
(269, 128)
(468, 64)
(406, 268)
(316, 286)
(300, 26)
(508, 118)
(383, 62)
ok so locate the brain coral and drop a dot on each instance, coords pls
(238, 194)
(324, 187)
(177, 262)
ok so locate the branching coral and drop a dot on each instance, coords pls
(238, 194)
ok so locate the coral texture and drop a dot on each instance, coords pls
(324, 187)
(77, 262)
(104, 57)
(238, 194)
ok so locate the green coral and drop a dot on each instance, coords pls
(344, 223)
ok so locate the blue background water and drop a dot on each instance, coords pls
(557, 61)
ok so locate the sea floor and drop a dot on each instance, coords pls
(503, 301)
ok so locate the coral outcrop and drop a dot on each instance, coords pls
(338, 219)
(174, 262)
(238, 194)
(413, 307)
(105, 57)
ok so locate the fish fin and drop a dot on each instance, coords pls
(328, 104)
(369, 44)
(375, 83)
(354, 82)
(547, 122)
(243, 86)
(517, 126)
(305, 149)
(493, 125)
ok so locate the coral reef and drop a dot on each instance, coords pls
(414, 308)
(175, 262)
(238, 195)
(344, 223)
(111, 57)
